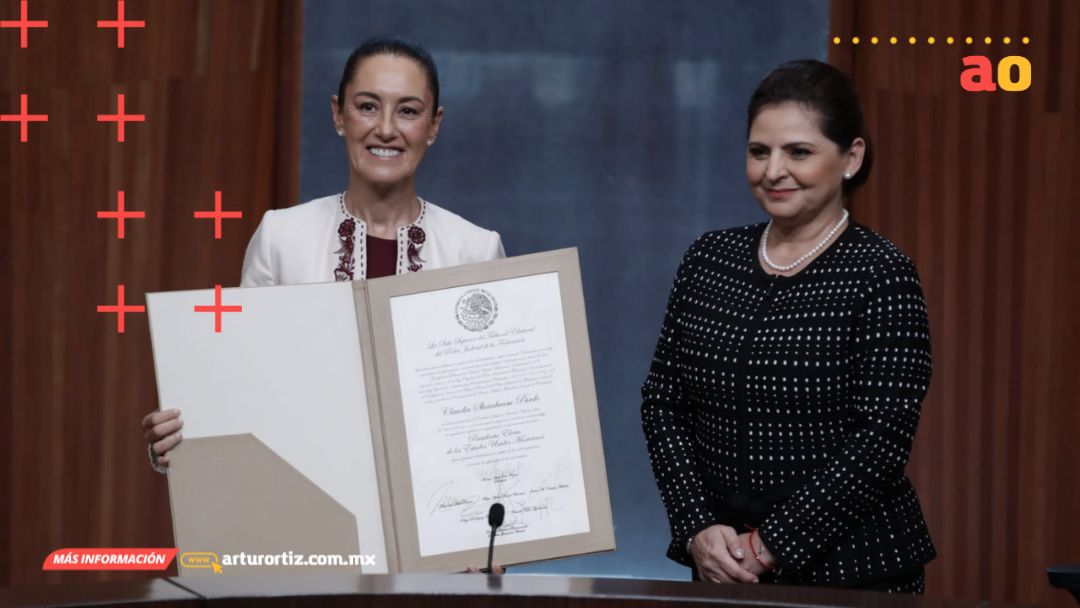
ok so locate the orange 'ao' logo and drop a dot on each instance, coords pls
(978, 75)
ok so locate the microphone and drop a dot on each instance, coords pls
(495, 519)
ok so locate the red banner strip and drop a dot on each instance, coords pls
(109, 559)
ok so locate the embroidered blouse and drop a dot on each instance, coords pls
(320, 242)
(409, 257)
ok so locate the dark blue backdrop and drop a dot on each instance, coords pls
(616, 126)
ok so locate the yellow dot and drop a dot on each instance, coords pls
(1025, 40)
(949, 40)
(892, 39)
(854, 40)
(873, 40)
(1006, 40)
(836, 40)
(911, 40)
(967, 40)
(930, 40)
(987, 40)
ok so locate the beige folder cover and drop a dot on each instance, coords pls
(232, 495)
(286, 369)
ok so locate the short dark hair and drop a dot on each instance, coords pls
(390, 45)
(827, 91)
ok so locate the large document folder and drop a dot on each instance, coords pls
(408, 404)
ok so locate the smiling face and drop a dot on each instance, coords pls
(387, 118)
(796, 172)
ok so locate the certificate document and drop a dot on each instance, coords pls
(489, 413)
(486, 394)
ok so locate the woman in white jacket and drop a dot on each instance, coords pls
(387, 111)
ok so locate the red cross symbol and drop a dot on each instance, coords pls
(120, 309)
(120, 24)
(120, 118)
(23, 24)
(120, 215)
(217, 309)
(23, 118)
(217, 214)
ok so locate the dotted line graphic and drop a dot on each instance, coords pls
(931, 40)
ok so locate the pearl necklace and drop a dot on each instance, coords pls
(803, 257)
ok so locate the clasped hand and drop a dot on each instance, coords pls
(723, 556)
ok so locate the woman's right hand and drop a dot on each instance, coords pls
(162, 432)
(717, 551)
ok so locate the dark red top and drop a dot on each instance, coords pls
(381, 257)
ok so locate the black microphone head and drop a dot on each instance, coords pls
(496, 514)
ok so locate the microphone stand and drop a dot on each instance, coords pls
(495, 519)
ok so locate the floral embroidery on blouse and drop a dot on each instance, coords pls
(416, 242)
(346, 262)
(346, 268)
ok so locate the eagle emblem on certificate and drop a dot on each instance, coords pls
(476, 310)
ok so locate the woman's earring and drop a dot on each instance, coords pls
(341, 132)
(847, 175)
(430, 141)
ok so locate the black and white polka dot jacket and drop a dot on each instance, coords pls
(790, 404)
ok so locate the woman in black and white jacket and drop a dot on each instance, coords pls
(783, 398)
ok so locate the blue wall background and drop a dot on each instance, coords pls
(616, 126)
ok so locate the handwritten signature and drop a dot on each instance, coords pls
(502, 483)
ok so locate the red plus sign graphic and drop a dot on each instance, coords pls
(217, 214)
(23, 117)
(23, 24)
(120, 215)
(217, 309)
(120, 24)
(120, 118)
(120, 309)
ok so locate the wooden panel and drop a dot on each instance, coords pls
(975, 187)
(218, 83)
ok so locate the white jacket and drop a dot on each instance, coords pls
(300, 244)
